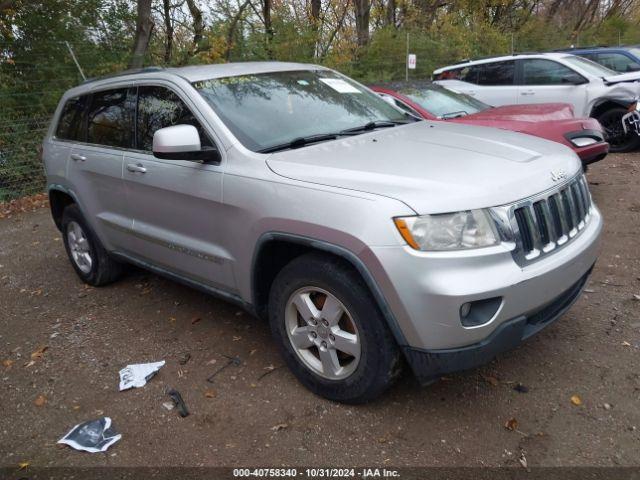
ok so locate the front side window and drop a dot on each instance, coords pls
(587, 66)
(547, 72)
(444, 103)
(497, 73)
(109, 119)
(70, 125)
(159, 107)
(269, 109)
(617, 62)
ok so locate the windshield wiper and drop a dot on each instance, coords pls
(302, 141)
(460, 113)
(373, 125)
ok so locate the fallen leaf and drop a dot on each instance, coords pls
(253, 351)
(280, 426)
(195, 320)
(76, 407)
(636, 297)
(23, 465)
(493, 381)
(212, 361)
(576, 400)
(39, 353)
(626, 344)
(236, 338)
(511, 424)
(40, 401)
(210, 394)
(7, 363)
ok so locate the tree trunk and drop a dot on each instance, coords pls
(198, 25)
(362, 12)
(232, 29)
(390, 14)
(314, 20)
(168, 25)
(268, 26)
(144, 27)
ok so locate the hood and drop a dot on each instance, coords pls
(552, 126)
(433, 167)
(526, 113)
(623, 77)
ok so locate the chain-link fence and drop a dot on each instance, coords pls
(30, 91)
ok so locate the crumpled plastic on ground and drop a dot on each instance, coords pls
(137, 374)
(92, 436)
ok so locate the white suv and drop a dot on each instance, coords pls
(593, 90)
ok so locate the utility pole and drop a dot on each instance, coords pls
(513, 43)
(406, 61)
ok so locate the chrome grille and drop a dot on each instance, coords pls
(547, 222)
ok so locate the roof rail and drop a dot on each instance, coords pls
(568, 49)
(488, 57)
(123, 73)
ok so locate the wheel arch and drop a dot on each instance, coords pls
(604, 104)
(59, 199)
(274, 250)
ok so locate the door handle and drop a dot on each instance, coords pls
(133, 167)
(77, 157)
(527, 93)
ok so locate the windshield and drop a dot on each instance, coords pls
(269, 109)
(588, 66)
(442, 102)
(635, 52)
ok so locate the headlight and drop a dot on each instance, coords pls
(448, 231)
(584, 141)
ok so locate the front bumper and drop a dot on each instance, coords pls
(429, 365)
(425, 292)
(592, 153)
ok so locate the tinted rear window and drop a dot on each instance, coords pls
(70, 125)
(110, 121)
(498, 73)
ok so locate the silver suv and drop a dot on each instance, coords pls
(365, 237)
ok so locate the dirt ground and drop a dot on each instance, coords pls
(257, 414)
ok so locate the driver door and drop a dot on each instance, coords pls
(546, 81)
(176, 205)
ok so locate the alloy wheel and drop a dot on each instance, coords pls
(322, 333)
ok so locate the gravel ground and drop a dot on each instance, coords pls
(256, 414)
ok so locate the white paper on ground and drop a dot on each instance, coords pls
(92, 436)
(340, 85)
(137, 375)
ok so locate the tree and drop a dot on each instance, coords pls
(362, 10)
(144, 27)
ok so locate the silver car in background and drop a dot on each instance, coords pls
(365, 237)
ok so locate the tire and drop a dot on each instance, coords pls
(88, 257)
(611, 122)
(373, 362)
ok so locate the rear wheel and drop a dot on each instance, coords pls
(619, 141)
(88, 257)
(330, 331)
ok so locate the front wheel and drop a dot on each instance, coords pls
(330, 330)
(619, 141)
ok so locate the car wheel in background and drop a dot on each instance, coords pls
(330, 330)
(619, 141)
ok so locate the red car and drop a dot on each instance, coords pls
(553, 121)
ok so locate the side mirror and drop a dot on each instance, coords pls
(182, 142)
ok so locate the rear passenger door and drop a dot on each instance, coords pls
(94, 167)
(495, 82)
(547, 81)
(176, 204)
